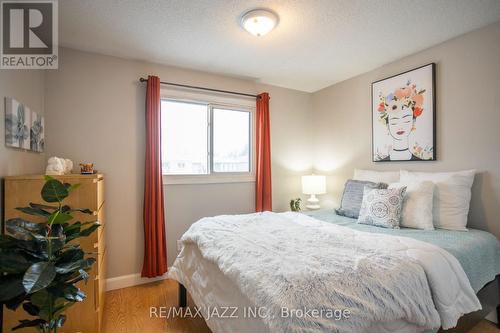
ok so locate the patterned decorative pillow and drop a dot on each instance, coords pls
(353, 197)
(382, 208)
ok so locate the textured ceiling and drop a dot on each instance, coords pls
(317, 42)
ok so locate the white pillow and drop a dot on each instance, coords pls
(376, 176)
(417, 204)
(451, 196)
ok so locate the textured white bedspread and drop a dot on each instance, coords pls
(293, 261)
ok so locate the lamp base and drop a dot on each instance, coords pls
(313, 203)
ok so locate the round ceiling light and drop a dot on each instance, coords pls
(259, 22)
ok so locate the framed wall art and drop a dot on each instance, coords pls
(17, 124)
(24, 129)
(403, 116)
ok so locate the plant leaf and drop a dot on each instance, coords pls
(38, 276)
(31, 226)
(24, 230)
(70, 255)
(29, 323)
(11, 286)
(43, 300)
(83, 275)
(7, 242)
(57, 244)
(89, 230)
(42, 206)
(67, 209)
(31, 308)
(70, 187)
(68, 228)
(31, 248)
(14, 303)
(54, 191)
(34, 211)
(83, 210)
(12, 262)
(58, 218)
(73, 294)
(67, 267)
(62, 318)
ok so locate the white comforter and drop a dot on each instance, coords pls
(287, 261)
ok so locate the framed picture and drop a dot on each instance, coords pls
(404, 116)
(37, 135)
(17, 124)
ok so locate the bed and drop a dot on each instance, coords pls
(231, 297)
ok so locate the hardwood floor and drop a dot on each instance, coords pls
(128, 311)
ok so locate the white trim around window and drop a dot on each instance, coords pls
(215, 102)
(208, 179)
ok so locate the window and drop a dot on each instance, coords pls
(231, 137)
(205, 139)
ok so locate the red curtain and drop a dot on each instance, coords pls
(263, 193)
(155, 247)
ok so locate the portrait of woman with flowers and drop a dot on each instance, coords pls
(403, 116)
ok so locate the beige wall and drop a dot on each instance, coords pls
(26, 86)
(96, 113)
(468, 119)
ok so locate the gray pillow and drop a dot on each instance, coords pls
(353, 196)
(382, 208)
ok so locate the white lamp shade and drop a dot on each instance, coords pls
(313, 184)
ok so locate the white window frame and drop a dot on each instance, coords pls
(214, 103)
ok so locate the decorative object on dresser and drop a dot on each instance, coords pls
(312, 185)
(58, 166)
(44, 260)
(20, 191)
(86, 168)
(403, 116)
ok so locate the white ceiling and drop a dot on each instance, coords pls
(317, 42)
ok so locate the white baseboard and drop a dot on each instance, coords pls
(130, 280)
(493, 317)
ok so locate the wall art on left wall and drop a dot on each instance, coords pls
(37, 135)
(24, 129)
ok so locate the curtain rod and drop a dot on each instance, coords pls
(203, 88)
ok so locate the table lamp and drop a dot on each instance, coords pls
(313, 184)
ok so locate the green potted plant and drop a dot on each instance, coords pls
(295, 205)
(39, 262)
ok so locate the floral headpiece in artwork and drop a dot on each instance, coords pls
(407, 95)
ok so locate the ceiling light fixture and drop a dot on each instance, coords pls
(259, 22)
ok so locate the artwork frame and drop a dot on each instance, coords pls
(24, 128)
(402, 104)
(37, 132)
(17, 124)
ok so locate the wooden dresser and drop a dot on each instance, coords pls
(85, 317)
